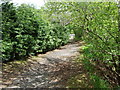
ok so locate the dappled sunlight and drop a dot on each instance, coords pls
(60, 45)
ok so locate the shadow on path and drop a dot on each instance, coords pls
(52, 69)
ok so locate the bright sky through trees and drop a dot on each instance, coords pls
(39, 3)
(36, 3)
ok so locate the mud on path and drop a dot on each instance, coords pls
(52, 69)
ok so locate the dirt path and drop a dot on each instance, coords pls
(52, 69)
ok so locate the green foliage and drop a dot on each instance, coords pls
(26, 33)
(8, 19)
(98, 82)
(101, 32)
(99, 25)
(95, 80)
(78, 31)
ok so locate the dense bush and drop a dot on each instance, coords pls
(8, 22)
(101, 34)
(25, 33)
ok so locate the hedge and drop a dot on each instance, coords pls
(25, 32)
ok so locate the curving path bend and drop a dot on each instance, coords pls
(48, 70)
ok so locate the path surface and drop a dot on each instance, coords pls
(47, 70)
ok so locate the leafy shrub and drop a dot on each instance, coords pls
(8, 22)
(103, 33)
(25, 33)
(98, 82)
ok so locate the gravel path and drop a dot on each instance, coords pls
(48, 70)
